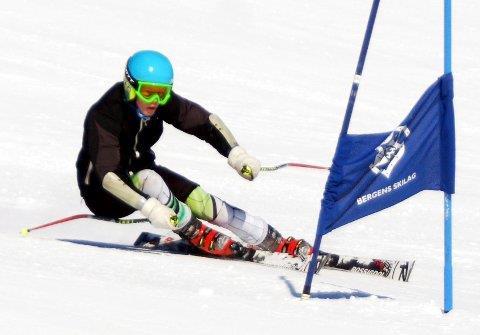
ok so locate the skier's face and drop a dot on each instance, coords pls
(147, 108)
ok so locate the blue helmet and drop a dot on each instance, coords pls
(146, 66)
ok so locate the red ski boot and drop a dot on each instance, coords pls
(296, 248)
(211, 241)
(274, 242)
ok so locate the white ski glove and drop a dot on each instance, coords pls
(247, 166)
(159, 215)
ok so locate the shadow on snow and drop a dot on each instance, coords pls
(331, 294)
(179, 248)
(175, 247)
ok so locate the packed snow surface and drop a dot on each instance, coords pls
(279, 74)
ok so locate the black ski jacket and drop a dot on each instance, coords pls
(115, 139)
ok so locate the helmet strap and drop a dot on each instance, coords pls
(129, 90)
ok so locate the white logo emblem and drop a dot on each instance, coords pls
(390, 152)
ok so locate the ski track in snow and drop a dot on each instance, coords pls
(279, 75)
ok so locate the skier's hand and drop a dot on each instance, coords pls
(159, 215)
(247, 166)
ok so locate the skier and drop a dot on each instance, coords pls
(117, 174)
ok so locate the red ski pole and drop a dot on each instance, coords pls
(25, 231)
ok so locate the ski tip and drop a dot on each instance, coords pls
(410, 270)
(24, 232)
(404, 270)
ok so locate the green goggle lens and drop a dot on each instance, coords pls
(153, 93)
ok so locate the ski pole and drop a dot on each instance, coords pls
(247, 170)
(25, 231)
(301, 165)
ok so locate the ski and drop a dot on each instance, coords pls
(384, 268)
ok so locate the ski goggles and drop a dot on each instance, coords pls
(153, 93)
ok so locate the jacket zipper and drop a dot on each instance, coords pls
(137, 153)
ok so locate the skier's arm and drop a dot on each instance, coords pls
(104, 152)
(193, 119)
(246, 165)
(158, 214)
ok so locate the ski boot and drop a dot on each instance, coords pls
(296, 248)
(212, 242)
(274, 242)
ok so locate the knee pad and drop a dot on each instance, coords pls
(202, 204)
(150, 183)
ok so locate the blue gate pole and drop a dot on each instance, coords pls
(448, 268)
(346, 122)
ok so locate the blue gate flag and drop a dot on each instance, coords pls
(371, 172)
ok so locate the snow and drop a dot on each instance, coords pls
(279, 75)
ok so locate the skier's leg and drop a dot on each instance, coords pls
(190, 228)
(150, 183)
(103, 203)
(250, 229)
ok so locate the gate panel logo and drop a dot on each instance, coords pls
(390, 152)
